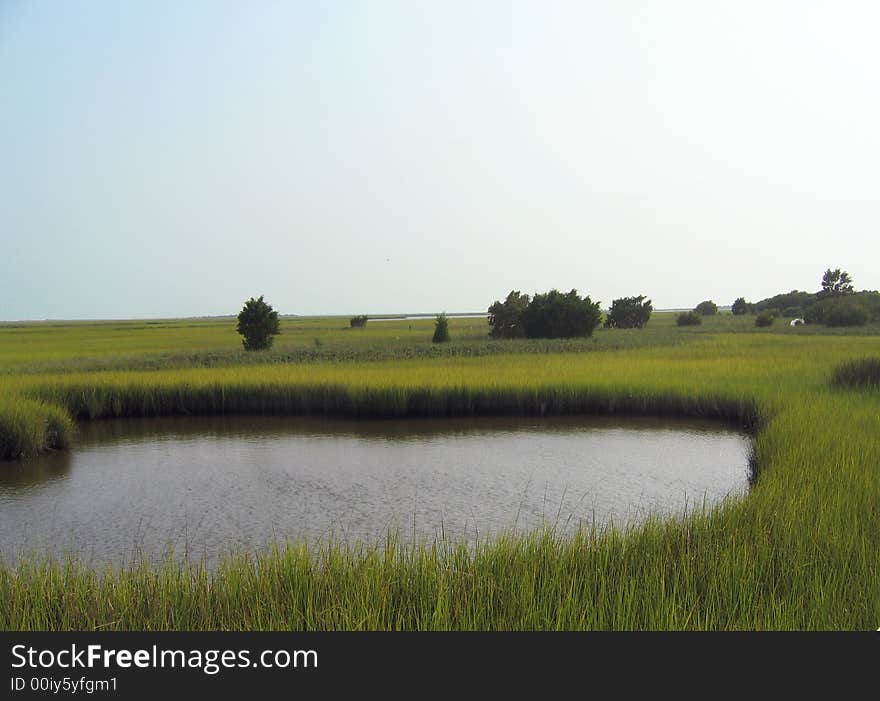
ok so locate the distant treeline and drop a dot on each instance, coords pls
(836, 304)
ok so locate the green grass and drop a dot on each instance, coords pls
(802, 550)
(31, 348)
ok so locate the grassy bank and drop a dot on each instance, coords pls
(29, 427)
(801, 551)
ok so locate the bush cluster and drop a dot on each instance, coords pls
(554, 314)
(629, 313)
(836, 304)
(837, 311)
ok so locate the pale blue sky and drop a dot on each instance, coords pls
(174, 158)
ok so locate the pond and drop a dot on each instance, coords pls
(132, 489)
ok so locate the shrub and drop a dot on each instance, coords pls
(846, 315)
(837, 311)
(688, 319)
(441, 329)
(505, 317)
(358, 321)
(764, 319)
(629, 313)
(558, 315)
(707, 308)
(739, 307)
(258, 323)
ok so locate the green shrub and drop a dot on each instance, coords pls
(560, 315)
(739, 307)
(688, 319)
(764, 319)
(358, 321)
(505, 317)
(837, 311)
(847, 315)
(707, 308)
(257, 323)
(441, 329)
(629, 313)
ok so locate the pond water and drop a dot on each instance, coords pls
(134, 488)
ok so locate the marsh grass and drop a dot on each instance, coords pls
(718, 569)
(29, 427)
(861, 373)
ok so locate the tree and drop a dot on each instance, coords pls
(558, 315)
(740, 306)
(257, 323)
(358, 321)
(836, 283)
(441, 329)
(629, 313)
(707, 308)
(504, 317)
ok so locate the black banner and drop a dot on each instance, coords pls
(142, 665)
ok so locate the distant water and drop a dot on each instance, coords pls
(205, 485)
(423, 317)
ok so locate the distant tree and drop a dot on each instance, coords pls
(836, 283)
(560, 315)
(505, 317)
(358, 321)
(740, 306)
(707, 308)
(688, 319)
(788, 300)
(629, 313)
(258, 323)
(871, 301)
(441, 329)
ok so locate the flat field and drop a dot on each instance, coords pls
(801, 551)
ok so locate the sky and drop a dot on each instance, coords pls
(170, 159)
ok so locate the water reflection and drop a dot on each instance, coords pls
(21, 475)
